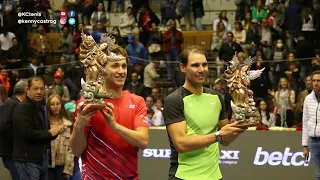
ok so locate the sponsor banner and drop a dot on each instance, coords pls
(262, 155)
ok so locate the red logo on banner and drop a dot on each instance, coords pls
(63, 13)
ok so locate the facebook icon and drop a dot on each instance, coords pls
(71, 13)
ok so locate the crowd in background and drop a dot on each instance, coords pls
(280, 36)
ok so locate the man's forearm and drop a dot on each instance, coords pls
(133, 137)
(191, 143)
(78, 141)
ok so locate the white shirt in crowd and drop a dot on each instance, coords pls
(269, 122)
(157, 118)
(125, 25)
(6, 41)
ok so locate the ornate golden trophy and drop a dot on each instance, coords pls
(94, 58)
(238, 77)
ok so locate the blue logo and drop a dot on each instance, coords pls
(71, 13)
(72, 21)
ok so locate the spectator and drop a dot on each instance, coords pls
(301, 97)
(127, 23)
(62, 158)
(41, 44)
(239, 33)
(155, 43)
(20, 30)
(258, 12)
(243, 6)
(277, 67)
(86, 8)
(224, 19)
(6, 43)
(150, 114)
(157, 118)
(116, 35)
(267, 117)
(57, 81)
(271, 19)
(183, 10)
(246, 23)
(65, 44)
(146, 18)
(308, 26)
(305, 52)
(291, 72)
(155, 93)
(4, 79)
(100, 15)
(6, 128)
(150, 77)
(167, 11)
(284, 99)
(316, 63)
(97, 33)
(34, 68)
(173, 40)
(198, 13)
(48, 76)
(252, 39)
(135, 87)
(32, 131)
(219, 37)
(136, 51)
(229, 48)
(280, 9)
(16, 55)
(266, 39)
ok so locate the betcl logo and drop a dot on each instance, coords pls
(276, 158)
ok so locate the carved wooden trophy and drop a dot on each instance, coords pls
(238, 77)
(94, 58)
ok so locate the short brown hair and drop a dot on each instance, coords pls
(36, 78)
(184, 56)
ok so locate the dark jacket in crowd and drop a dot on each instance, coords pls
(31, 135)
(6, 126)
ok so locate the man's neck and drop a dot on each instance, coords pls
(197, 90)
(116, 92)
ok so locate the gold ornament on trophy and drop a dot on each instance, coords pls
(238, 76)
(94, 57)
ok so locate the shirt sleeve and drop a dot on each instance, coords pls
(141, 119)
(88, 127)
(173, 110)
(223, 113)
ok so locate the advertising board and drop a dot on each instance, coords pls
(262, 155)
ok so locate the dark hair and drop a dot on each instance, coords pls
(220, 15)
(240, 25)
(103, 8)
(185, 53)
(267, 110)
(230, 33)
(129, 8)
(150, 111)
(36, 78)
(151, 98)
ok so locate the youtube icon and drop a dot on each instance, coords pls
(63, 13)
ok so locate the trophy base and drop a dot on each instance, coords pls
(94, 106)
(249, 124)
